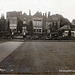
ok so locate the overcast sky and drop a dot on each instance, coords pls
(63, 7)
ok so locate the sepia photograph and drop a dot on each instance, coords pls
(37, 37)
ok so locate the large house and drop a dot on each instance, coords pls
(41, 22)
(37, 20)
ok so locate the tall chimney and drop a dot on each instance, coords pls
(48, 14)
(29, 12)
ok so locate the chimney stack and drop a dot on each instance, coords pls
(29, 12)
(48, 14)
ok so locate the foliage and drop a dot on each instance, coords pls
(30, 28)
(2, 24)
(19, 25)
(64, 21)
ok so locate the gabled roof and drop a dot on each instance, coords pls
(37, 14)
(25, 15)
(65, 27)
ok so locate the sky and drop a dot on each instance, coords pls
(66, 8)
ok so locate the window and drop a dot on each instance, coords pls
(34, 30)
(24, 22)
(35, 20)
(39, 30)
(39, 20)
